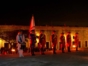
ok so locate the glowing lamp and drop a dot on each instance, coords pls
(13, 50)
(74, 46)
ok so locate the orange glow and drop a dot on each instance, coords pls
(37, 39)
(74, 46)
(2, 42)
(37, 34)
(72, 37)
(52, 47)
(13, 50)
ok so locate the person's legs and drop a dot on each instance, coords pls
(69, 45)
(69, 49)
(42, 49)
(76, 48)
(32, 50)
(62, 49)
(19, 50)
(21, 53)
(54, 49)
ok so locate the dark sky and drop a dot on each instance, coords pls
(72, 13)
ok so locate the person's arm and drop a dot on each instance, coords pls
(45, 38)
(23, 38)
(17, 38)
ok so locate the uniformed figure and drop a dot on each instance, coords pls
(42, 41)
(54, 41)
(62, 40)
(68, 38)
(20, 39)
(32, 41)
(76, 39)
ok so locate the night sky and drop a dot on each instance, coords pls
(60, 13)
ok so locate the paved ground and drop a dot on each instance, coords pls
(79, 58)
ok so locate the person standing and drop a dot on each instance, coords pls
(54, 41)
(76, 39)
(42, 41)
(68, 41)
(32, 37)
(62, 40)
(20, 39)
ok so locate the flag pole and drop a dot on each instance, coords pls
(31, 27)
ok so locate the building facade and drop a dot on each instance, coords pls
(8, 34)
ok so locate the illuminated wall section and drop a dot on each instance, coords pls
(37, 39)
(2, 42)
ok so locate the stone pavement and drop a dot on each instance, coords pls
(79, 58)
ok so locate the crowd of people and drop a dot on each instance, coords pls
(20, 39)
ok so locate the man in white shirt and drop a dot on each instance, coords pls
(20, 39)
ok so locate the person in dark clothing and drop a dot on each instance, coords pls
(62, 40)
(32, 42)
(69, 41)
(54, 41)
(76, 39)
(42, 41)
